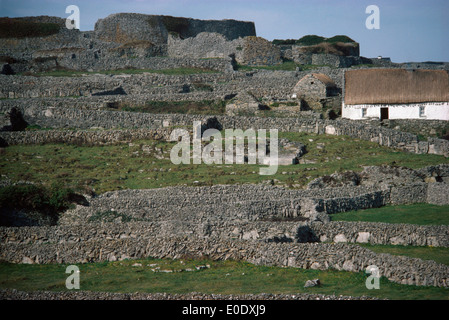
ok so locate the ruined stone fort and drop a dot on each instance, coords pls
(262, 223)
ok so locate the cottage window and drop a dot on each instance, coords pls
(422, 110)
(363, 112)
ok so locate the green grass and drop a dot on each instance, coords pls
(73, 73)
(421, 214)
(124, 166)
(437, 254)
(223, 277)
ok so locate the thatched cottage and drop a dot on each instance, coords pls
(396, 94)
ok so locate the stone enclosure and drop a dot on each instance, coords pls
(261, 223)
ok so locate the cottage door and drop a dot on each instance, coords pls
(383, 113)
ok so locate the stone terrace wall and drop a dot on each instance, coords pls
(381, 233)
(243, 203)
(270, 85)
(152, 86)
(85, 137)
(301, 255)
(263, 231)
(426, 127)
(65, 117)
(276, 85)
(221, 203)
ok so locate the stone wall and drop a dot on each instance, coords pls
(253, 51)
(262, 231)
(337, 256)
(124, 40)
(205, 223)
(204, 45)
(243, 203)
(62, 116)
(437, 194)
(125, 27)
(381, 233)
(12, 294)
(153, 86)
(257, 51)
(84, 137)
(436, 128)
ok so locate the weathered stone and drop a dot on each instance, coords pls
(340, 238)
(363, 237)
(312, 283)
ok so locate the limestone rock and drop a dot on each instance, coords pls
(312, 283)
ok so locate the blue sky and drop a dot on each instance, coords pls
(410, 30)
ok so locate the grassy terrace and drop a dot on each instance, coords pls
(437, 254)
(421, 214)
(225, 277)
(146, 164)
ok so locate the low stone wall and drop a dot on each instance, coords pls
(224, 203)
(301, 255)
(242, 202)
(84, 137)
(264, 231)
(381, 233)
(66, 117)
(426, 127)
(12, 294)
(261, 84)
(437, 193)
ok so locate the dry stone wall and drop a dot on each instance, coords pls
(301, 255)
(221, 204)
(126, 27)
(66, 117)
(123, 40)
(84, 137)
(381, 233)
(263, 231)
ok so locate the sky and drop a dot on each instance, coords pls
(409, 30)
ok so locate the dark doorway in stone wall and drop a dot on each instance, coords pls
(383, 113)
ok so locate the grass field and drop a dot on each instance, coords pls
(437, 254)
(225, 277)
(129, 166)
(422, 214)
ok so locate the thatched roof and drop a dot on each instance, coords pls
(390, 86)
(326, 80)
